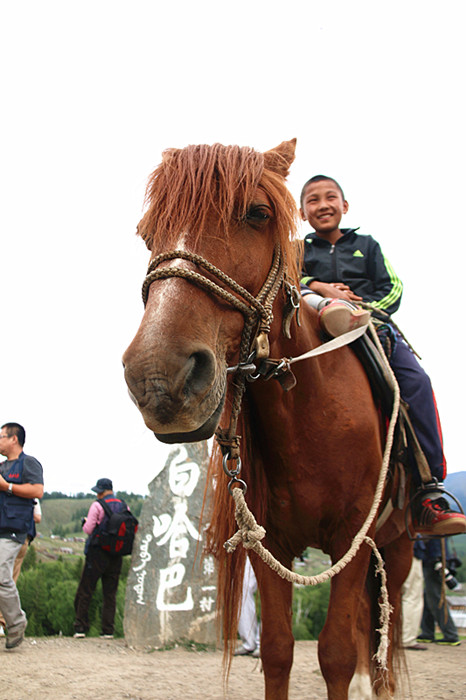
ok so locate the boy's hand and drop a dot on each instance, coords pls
(334, 290)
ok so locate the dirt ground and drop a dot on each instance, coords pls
(64, 668)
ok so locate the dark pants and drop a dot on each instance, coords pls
(416, 390)
(432, 613)
(98, 565)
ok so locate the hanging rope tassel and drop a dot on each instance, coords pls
(385, 608)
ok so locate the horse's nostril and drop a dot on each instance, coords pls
(202, 370)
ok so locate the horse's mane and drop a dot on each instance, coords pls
(197, 182)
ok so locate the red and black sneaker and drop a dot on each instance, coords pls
(434, 517)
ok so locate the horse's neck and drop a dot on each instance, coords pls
(309, 373)
(304, 337)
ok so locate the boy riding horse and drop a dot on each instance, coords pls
(340, 269)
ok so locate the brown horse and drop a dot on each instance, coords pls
(221, 228)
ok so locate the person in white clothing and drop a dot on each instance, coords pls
(248, 625)
(412, 602)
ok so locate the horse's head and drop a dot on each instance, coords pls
(218, 220)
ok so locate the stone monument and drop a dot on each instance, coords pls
(171, 589)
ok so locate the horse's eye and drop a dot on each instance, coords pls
(258, 214)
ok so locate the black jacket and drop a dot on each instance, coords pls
(357, 261)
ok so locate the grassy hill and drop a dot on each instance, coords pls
(456, 483)
(59, 534)
(62, 516)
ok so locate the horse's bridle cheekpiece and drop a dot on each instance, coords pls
(258, 317)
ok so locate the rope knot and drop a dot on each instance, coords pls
(251, 537)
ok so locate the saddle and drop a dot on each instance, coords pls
(406, 448)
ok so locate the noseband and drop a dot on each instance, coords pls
(255, 309)
(258, 317)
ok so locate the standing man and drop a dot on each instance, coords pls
(435, 611)
(98, 564)
(36, 518)
(21, 482)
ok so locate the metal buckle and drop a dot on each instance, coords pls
(232, 473)
(239, 483)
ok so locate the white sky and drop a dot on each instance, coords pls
(92, 92)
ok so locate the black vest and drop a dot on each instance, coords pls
(16, 513)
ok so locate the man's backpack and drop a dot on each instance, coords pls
(117, 535)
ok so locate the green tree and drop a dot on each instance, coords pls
(60, 608)
(30, 560)
(48, 589)
(310, 604)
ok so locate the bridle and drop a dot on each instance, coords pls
(258, 317)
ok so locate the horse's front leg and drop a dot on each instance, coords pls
(277, 637)
(338, 641)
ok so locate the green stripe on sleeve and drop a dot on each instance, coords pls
(395, 292)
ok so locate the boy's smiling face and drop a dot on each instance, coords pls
(323, 207)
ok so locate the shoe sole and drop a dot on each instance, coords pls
(452, 526)
(243, 652)
(16, 640)
(15, 643)
(336, 320)
(449, 644)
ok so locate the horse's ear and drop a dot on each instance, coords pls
(168, 154)
(280, 158)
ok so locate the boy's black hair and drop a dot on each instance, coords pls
(319, 178)
(16, 429)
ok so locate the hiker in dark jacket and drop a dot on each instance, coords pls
(436, 613)
(98, 564)
(343, 268)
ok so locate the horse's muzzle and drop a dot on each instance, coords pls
(203, 433)
(180, 397)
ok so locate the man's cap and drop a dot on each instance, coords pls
(102, 485)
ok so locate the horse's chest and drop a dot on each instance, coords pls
(295, 515)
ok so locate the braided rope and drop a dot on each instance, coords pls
(166, 273)
(192, 276)
(250, 306)
(250, 533)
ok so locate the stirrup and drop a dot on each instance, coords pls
(431, 487)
